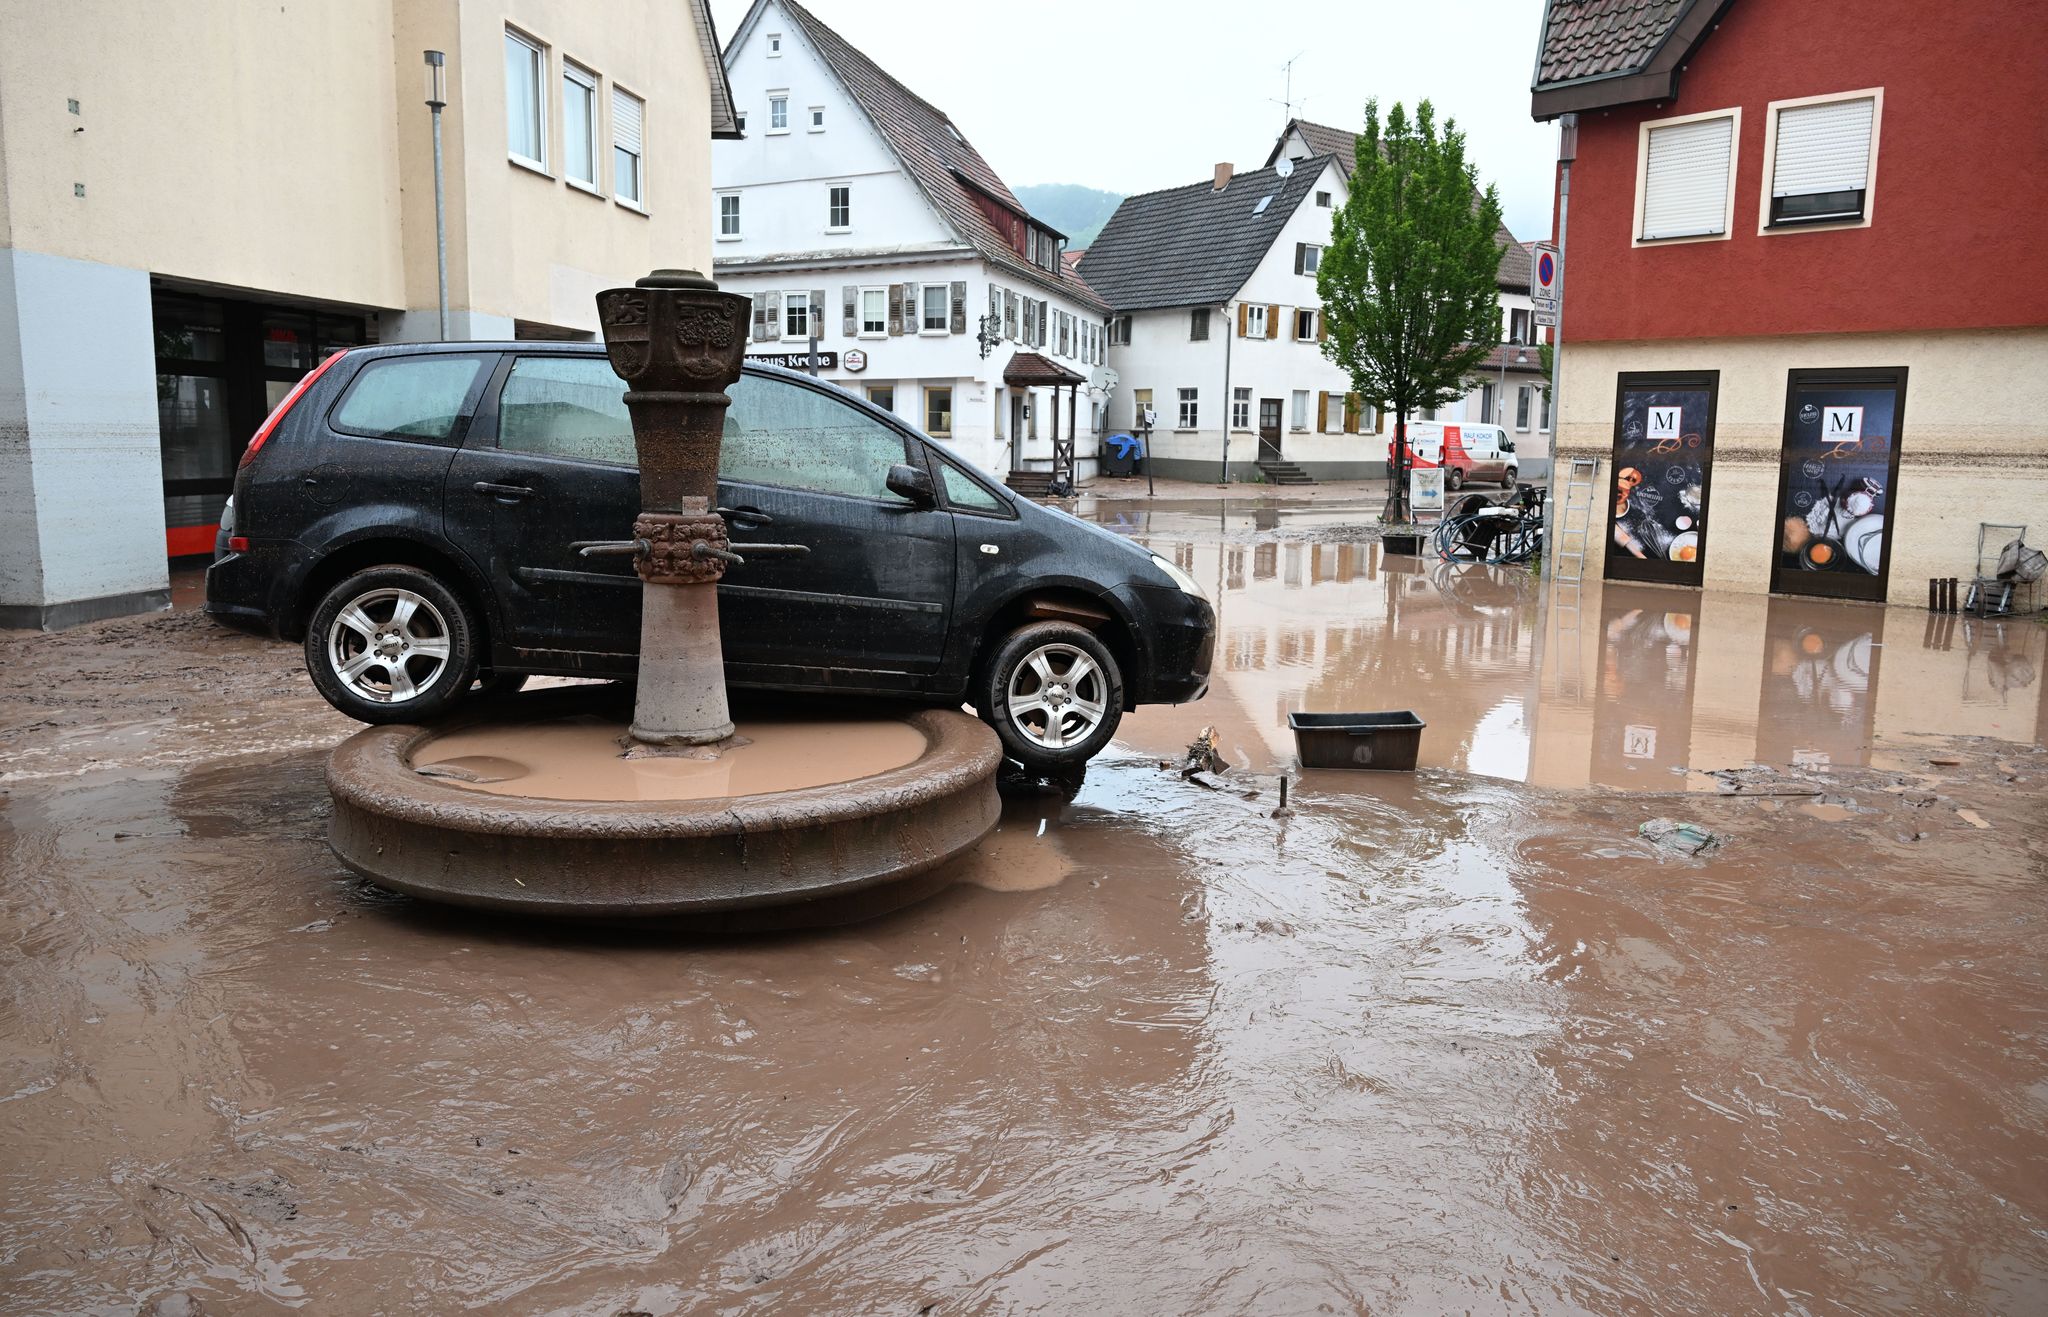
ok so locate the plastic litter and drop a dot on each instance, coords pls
(1678, 837)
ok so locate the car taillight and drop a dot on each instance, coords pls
(270, 422)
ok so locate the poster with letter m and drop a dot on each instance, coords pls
(1663, 476)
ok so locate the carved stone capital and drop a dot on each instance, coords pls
(672, 539)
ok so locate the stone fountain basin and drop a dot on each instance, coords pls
(819, 854)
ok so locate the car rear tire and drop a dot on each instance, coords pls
(1454, 479)
(1508, 478)
(1053, 693)
(392, 644)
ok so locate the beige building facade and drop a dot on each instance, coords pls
(181, 239)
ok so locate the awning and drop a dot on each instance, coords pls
(1029, 368)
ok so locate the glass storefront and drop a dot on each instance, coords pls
(221, 365)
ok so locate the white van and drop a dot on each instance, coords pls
(1465, 450)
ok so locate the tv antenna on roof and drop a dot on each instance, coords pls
(1287, 94)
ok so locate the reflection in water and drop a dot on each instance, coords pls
(1638, 688)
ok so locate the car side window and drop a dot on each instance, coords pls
(965, 493)
(572, 407)
(784, 434)
(408, 397)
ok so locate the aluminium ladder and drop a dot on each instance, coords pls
(1568, 568)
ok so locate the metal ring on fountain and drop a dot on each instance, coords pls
(839, 851)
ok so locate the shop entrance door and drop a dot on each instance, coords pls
(1838, 470)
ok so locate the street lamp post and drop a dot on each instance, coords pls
(437, 99)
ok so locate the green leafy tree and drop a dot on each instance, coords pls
(1408, 280)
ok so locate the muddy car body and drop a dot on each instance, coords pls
(409, 513)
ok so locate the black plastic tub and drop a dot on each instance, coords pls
(1386, 741)
(1406, 545)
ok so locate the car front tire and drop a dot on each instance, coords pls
(1454, 478)
(392, 644)
(1508, 478)
(1053, 693)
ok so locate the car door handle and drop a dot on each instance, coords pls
(507, 493)
(747, 518)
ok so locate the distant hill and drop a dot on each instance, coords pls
(1079, 212)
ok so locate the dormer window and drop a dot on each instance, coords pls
(774, 45)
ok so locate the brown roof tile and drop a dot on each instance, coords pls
(1603, 38)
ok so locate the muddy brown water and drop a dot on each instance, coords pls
(1459, 1040)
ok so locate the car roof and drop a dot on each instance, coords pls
(573, 347)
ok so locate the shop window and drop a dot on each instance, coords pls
(883, 396)
(573, 407)
(526, 127)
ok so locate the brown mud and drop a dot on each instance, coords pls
(1455, 1040)
(584, 757)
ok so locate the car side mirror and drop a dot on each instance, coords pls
(913, 483)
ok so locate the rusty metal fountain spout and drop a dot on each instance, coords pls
(678, 343)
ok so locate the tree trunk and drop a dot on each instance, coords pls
(1398, 498)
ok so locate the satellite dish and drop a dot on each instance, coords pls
(1284, 167)
(1103, 380)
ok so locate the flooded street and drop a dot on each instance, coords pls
(1460, 1040)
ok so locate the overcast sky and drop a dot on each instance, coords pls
(1133, 95)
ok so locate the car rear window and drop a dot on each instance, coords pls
(408, 397)
(572, 407)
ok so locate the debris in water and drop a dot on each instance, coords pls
(1283, 811)
(1203, 756)
(1683, 838)
(1945, 761)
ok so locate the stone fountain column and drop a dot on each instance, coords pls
(678, 343)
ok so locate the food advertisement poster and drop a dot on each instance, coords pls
(1839, 464)
(1663, 468)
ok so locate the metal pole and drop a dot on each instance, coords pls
(811, 350)
(1229, 332)
(436, 100)
(1568, 150)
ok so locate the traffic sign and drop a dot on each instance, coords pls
(1546, 318)
(1545, 278)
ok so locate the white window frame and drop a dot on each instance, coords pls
(638, 200)
(1311, 258)
(1525, 407)
(860, 310)
(771, 130)
(924, 297)
(790, 301)
(1314, 324)
(1255, 320)
(1732, 113)
(1241, 409)
(592, 86)
(1189, 416)
(774, 44)
(1333, 402)
(830, 188)
(1298, 404)
(1763, 216)
(539, 51)
(738, 217)
(814, 119)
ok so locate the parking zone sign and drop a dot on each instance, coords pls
(1544, 279)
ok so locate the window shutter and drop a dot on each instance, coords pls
(1351, 413)
(913, 309)
(1322, 409)
(1322, 327)
(1272, 322)
(959, 321)
(818, 312)
(760, 316)
(995, 305)
(1823, 148)
(626, 113)
(1244, 310)
(1300, 256)
(1009, 314)
(849, 320)
(1685, 179)
(1379, 423)
(895, 308)
(775, 315)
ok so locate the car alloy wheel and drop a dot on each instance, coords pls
(386, 646)
(1057, 696)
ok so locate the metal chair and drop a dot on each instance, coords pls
(1990, 594)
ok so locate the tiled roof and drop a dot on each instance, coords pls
(1325, 140)
(932, 150)
(1602, 38)
(1031, 368)
(1193, 245)
(1503, 357)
